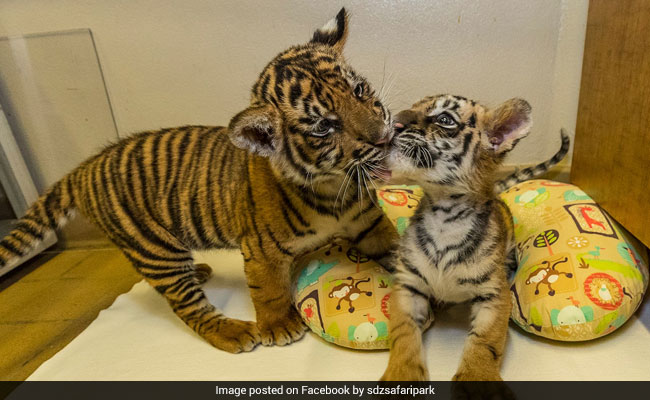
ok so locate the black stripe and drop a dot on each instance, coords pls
(457, 158)
(197, 221)
(176, 213)
(290, 156)
(301, 152)
(364, 211)
(279, 92)
(25, 227)
(225, 157)
(412, 269)
(50, 208)
(446, 210)
(294, 229)
(476, 280)
(280, 297)
(492, 350)
(295, 93)
(178, 307)
(252, 208)
(11, 248)
(483, 299)
(473, 239)
(145, 185)
(265, 85)
(193, 291)
(24, 241)
(462, 214)
(277, 243)
(304, 196)
(423, 239)
(365, 232)
(472, 121)
(212, 207)
(289, 205)
(415, 291)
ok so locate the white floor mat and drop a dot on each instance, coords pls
(139, 338)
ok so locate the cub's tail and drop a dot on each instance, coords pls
(48, 213)
(537, 170)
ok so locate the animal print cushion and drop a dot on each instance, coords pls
(342, 295)
(580, 275)
(399, 203)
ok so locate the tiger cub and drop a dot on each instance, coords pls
(274, 184)
(457, 245)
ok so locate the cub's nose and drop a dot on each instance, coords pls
(403, 120)
(399, 127)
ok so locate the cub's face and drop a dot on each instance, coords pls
(452, 141)
(314, 116)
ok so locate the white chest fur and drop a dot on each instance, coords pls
(444, 244)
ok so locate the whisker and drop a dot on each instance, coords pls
(428, 157)
(365, 172)
(359, 191)
(346, 189)
(375, 169)
(343, 183)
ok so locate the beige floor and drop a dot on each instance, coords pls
(48, 301)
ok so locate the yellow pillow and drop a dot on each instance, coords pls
(580, 275)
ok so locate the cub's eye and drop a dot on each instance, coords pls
(359, 90)
(445, 120)
(323, 128)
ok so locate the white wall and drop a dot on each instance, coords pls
(193, 61)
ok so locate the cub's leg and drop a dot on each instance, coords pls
(378, 240)
(484, 346)
(177, 280)
(269, 281)
(409, 313)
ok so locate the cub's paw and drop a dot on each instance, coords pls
(283, 331)
(233, 335)
(405, 371)
(467, 373)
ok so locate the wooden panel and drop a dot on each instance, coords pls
(611, 159)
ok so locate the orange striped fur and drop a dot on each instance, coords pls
(289, 173)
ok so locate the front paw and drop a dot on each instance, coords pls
(406, 371)
(466, 374)
(232, 335)
(281, 331)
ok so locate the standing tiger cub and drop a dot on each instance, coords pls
(273, 184)
(461, 235)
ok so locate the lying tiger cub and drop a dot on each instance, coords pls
(461, 235)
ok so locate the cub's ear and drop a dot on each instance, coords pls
(256, 129)
(507, 124)
(334, 32)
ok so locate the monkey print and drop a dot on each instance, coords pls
(349, 292)
(547, 275)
